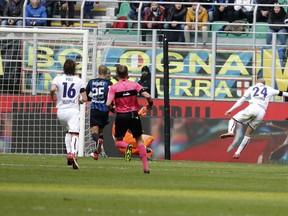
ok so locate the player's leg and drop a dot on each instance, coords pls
(143, 154)
(74, 129)
(121, 128)
(136, 130)
(104, 122)
(241, 117)
(128, 138)
(147, 139)
(100, 147)
(75, 147)
(244, 143)
(68, 139)
(95, 121)
(231, 126)
(94, 130)
(147, 142)
(258, 115)
(63, 118)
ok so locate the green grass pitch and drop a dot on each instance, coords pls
(43, 185)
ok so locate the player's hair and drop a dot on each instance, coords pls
(69, 67)
(122, 71)
(102, 70)
(261, 80)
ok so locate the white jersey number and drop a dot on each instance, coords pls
(98, 92)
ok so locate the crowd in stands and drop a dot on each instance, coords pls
(177, 15)
(40, 12)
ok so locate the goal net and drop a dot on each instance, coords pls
(29, 60)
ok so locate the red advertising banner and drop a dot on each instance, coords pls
(195, 130)
(199, 140)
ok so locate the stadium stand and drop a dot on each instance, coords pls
(123, 11)
(105, 11)
(108, 11)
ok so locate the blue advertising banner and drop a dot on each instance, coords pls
(190, 69)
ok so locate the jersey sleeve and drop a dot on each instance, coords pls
(111, 93)
(273, 91)
(82, 86)
(55, 81)
(139, 88)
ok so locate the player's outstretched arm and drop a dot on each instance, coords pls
(284, 94)
(236, 105)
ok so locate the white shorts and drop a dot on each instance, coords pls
(69, 119)
(251, 115)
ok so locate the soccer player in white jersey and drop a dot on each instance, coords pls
(253, 114)
(70, 92)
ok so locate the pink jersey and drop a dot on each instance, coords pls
(124, 95)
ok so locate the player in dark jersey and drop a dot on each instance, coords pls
(124, 96)
(97, 91)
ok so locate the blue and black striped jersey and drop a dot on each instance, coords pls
(97, 91)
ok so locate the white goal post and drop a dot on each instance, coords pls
(29, 60)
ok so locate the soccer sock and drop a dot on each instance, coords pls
(68, 138)
(95, 137)
(74, 144)
(148, 140)
(143, 156)
(102, 146)
(231, 125)
(244, 142)
(121, 144)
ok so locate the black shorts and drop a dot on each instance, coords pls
(125, 121)
(98, 118)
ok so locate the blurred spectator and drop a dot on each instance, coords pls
(64, 7)
(202, 23)
(155, 13)
(89, 9)
(209, 8)
(14, 8)
(244, 10)
(277, 16)
(35, 10)
(2, 8)
(50, 5)
(133, 13)
(168, 6)
(263, 11)
(224, 12)
(175, 14)
(145, 81)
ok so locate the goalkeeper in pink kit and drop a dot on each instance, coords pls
(253, 114)
(123, 95)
